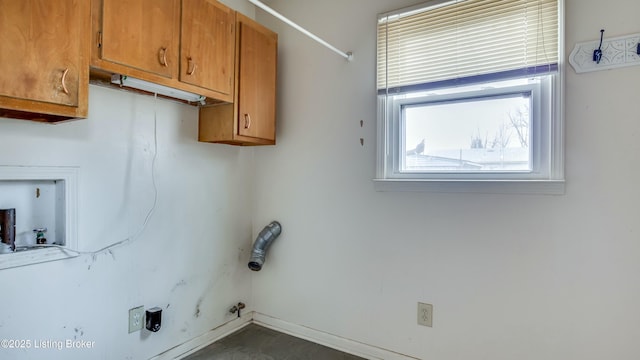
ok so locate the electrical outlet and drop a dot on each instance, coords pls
(425, 314)
(136, 319)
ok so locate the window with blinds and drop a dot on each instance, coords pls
(458, 42)
(470, 96)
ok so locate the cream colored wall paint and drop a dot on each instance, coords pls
(510, 277)
(190, 260)
(242, 6)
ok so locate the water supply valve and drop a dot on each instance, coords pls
(40, 239)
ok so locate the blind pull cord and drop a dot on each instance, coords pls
(347, 55)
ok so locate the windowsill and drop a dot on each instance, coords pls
(524, 187)
(33, 256)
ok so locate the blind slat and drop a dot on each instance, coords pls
(471, 38)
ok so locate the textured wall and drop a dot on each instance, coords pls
(190, 260)
(510, 276)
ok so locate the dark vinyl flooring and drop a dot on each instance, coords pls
(259, 343)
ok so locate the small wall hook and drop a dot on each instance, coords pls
(597, 54)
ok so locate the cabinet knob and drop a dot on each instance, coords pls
(191, 66)
(162, 56)
(247, 121)
(64, 80)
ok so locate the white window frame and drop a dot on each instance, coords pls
(547, 118)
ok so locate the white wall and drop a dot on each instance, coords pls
(510, 277)
(190, 260)
(243, 6)
(527, 277)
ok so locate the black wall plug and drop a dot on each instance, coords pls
(153, 319)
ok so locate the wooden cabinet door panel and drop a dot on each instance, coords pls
(257, 82)
(39, 50)
(142, 34)
(207, 45)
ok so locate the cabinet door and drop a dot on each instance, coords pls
(142, 34)
(207, 45)
(40, 54)
(256, 80)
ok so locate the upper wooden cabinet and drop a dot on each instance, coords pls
(257, 80)
(187, 45)
(44, 59)
(141, 34)
(207, 45)
(251, 119)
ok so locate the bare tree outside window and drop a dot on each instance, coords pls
(519, 119)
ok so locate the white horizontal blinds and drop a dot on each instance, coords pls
(467, 41)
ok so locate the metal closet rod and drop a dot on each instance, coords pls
(346, 55)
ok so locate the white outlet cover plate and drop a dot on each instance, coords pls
(136, 319)
(425, 314)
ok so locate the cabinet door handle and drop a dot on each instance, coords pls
(247, 121)
(162, 56)
(191, 66)
(64, 80)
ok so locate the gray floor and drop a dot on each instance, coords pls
(258, 343)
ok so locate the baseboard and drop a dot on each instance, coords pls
(206, 339)
(335, 342)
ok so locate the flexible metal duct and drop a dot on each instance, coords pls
(264, 239)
